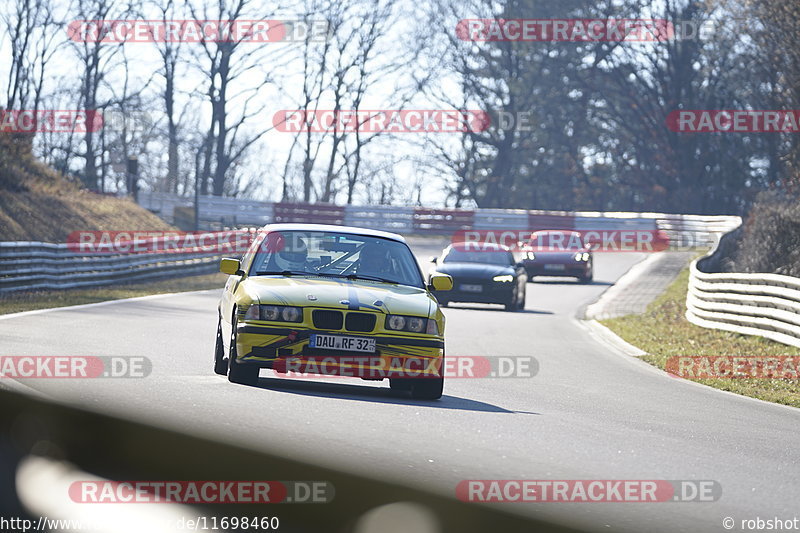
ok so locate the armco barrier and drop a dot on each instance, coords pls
(767, 305)
(500, 219)
(442, 221)
(233, 212)
(163, 204)
(308, 213)
(223, 212)
(380, 217)
(39, 265)
(32, 265)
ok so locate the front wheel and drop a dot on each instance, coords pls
(513, 302)
(400, 384)
(427, 388)
(220, 364)
(237, 372)
(586, 278)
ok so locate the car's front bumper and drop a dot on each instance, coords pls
(491, 292)
(573, 269)
(287, 349)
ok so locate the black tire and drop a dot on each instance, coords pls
(220, 363)
(238, 373)
(513, 303)
(400, 384)
(443, 303)
(587, 278)
(521, 303)
(427, 388)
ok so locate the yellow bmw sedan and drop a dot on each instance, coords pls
(331, 300)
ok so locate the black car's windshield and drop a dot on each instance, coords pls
(557, 240)
(491, 257)
(335, 255)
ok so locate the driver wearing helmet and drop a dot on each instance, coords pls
(374, 260)
(292, 255)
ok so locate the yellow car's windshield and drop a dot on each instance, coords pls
(331, 254)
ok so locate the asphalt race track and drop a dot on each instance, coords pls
(589, 413)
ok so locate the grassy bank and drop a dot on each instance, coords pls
(663, 331)
(39, 204)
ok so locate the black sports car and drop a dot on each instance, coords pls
(489, 275)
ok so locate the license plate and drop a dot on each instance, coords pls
(340, 342)
(554, 267)
(471, 288)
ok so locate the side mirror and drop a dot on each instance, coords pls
(232, 267)
(441, 282)
(434, 259)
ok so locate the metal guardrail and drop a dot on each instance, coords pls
(40, 265)
(233, 212)
(36, 265)
(767, 305)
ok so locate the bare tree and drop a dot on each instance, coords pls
(226, 65)
(358, 56)
(34, 36)
(97, 59)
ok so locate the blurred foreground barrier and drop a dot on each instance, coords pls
(116, 449)
(767, 305)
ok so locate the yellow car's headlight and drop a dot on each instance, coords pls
(414, 324)
(507, 278)
(274, 313)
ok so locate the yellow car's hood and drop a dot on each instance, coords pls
(340, 294)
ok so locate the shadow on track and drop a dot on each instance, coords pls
(361, 393)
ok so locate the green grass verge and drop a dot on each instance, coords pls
(663, 331)
(27, 301)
